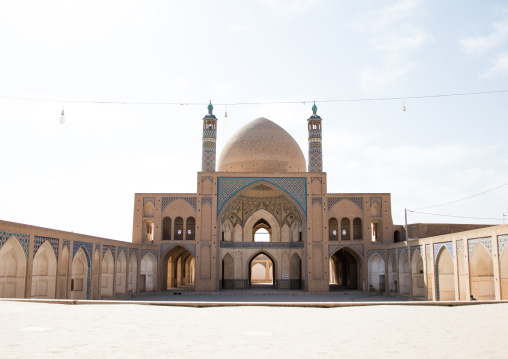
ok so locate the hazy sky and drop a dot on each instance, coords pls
(82, 176)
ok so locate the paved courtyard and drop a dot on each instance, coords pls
(125, 330)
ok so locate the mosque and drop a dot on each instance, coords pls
(261, 217)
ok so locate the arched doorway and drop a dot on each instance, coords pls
(107, 273)
(179, 269)
(445, 274)
(404, 275)
(376, 273)
(44, 272)
(261, 271)
(345, 270)
(418, 280)
(481, 274)
(148, 273)
(80, 280)
(12, 269)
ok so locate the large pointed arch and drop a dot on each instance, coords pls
(148, 273)
(376, 265)
(481, 273)
(44, 272)
(12, 269)
(252, 260)
(80, 281)
(107, 274)
(445, 275)
(178, 268)
(418, 276)
(346, 269)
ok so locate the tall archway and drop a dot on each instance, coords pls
(80, 280)
(392, 273)
(376, 273)
(228, 274)
(295, 272)
(346, 270)
(404, 274)
(445, 273)
(12, 269)
(504, 274)
(121, 274)
(262, 271)
(133, 273)
(107, 273)
(418, 280)
(148, 273)
(178, 269)
(481, 274)
(44, 272)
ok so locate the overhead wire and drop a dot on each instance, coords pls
(447, 215)
(180, 103)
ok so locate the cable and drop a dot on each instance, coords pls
(447, 215)
(475, 195)
(16, 98)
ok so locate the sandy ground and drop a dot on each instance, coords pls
(40, 330)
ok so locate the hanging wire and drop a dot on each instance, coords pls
(447, 215)
(462, 199)
(16, 98)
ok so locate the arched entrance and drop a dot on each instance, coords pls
(445, 287)
(261, 271)
(418, 280)
(481, 274)
(179, 269)
(376, 273)
(44, 272)
(12, 269)
(345, 270)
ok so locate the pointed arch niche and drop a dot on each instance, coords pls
(44, 272)
(12, 269)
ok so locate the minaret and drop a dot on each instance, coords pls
(209, 141)
(315, 139)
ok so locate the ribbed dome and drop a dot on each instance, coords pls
(261, 146)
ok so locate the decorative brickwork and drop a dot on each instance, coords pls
(502, 240)
(190, 200)
(371, 252)
(332, 201)
(24, 240)
(318, 200)
(105, 249)
(153, 252)
(267, 245)
(448, 245)
(376, 199)
(472, 243)
(206, 200)
(149, 199)
(227, 187)
(87, 249)
(39, 241)
(414, 248)
(208, 158)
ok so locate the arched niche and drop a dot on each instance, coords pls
(418, 276)
(376, 266)
(266, 217)
(445, 274)
(121, 273)
(80, 280)
(12, 269)
(148, 273)
(481, 274)
(44, 272)
(404, 274)
(107, 273)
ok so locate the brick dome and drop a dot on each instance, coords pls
(261, 146)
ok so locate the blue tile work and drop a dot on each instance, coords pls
(391, 252)
(317, 200)
(316, 178)
(414, 248)
(153, 252)
(133, 250)
(87, 246)
(190, 200)
(98, 247)
(402, 250)
(460, 246)
(502, 240)
(227, 187)
(371, 252)
(39, 241)
(206, 200)
(486, 241)
(105, 249)
(267, 245)
(442, 248)
(124, 250)
(24, 240)
(87, 249)
(376, 199)
(66, 243)
(332, 201)
(149, 199)
(437, 246)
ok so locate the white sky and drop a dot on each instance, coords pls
(82, 176)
